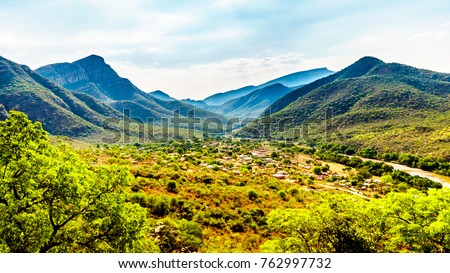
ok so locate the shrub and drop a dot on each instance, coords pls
(287, 161)
(293, 191)
(237, 226)
(283, 195)
(274, 155)
(162, 207)
(325, 168)
(172, 186)
(207, 180)
(252, 195)
(317, 170)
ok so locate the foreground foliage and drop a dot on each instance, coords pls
(208, 195)
(402, 222)
(51, 201)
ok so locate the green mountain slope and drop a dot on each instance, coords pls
(58, 109)
(97, 106)
(357, 69)
(385, 106)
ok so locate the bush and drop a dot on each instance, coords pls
(287, 161)
(317, 170)
(178, 236)
(325, 168)
(293, 191)
(252, 195)
(172, 186)
(283, 195)
(161, 207)
(238, 226)
(207, 180)
(368, 153)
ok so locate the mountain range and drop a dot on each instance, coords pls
(162, 96)
(75, 98)
(92, 76)
(251, 101)
(388, 106)
(60, 111)
(369, 103)
(253, 104)
(291, 80)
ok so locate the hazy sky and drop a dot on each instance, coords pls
(199, 47)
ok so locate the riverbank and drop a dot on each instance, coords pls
(444, 180)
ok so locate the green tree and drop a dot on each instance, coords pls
(50, 201)
(419, 222)
(181, 236)
(332, 225)
(316, 170)
(412, 221)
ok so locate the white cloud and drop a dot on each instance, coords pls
(229, 3)
(193, 48)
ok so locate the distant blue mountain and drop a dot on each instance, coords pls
(291, 80)
(253, 104)
(162, 96)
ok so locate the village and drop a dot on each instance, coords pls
(299, 169)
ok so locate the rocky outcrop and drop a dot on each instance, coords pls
(64, 73)
(91, 75)
(3, 112)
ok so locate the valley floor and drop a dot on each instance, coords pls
(233, 189)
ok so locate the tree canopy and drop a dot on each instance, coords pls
(412, 221)
(51, 201)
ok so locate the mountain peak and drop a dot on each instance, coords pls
(93, 58)
(367, 62)
(360, 67)
(92, 61)
(161, 95)
(369, 59)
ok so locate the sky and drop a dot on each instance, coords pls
(195, 48)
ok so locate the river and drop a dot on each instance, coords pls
(444, 180)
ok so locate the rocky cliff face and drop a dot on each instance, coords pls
(72, 77)
(59, 111)
(3, 113)
(96, 69)
(91, 75)
(64, 73)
